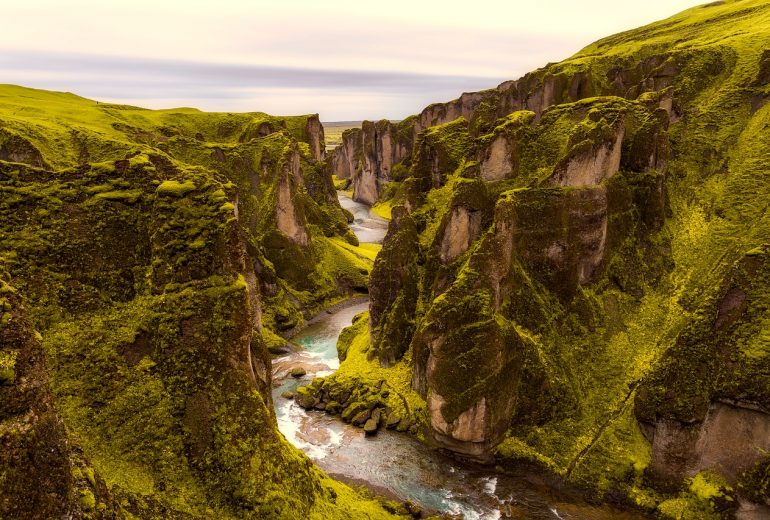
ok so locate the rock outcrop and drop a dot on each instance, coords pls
(394, 289)
(367, 156)
(315, 137)
(497, 163)
(290, 222)
(536, 92)
(463, 228)
(590, 166)
(720, 418)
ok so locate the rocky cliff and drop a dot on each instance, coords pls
(43, 474)
(159, 254)
(369, 155)
(573, 278)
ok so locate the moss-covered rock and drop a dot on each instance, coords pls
(394, 289)
(42, 474)
(149, 253)
(627, 181)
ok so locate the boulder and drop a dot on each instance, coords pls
(304, 398)
(352, 410)
(298, 372)
(392, 421)
(361, 418)
(370, 428)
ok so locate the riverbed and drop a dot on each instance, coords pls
(367, 226)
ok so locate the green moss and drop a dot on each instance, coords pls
(383, 209)
(515, 451)
(341, 184)
(175, 188)
(359, 371)
(686, 509)
(87, 500)
(8, 366)
(707, 496)
(129, 197)
(142, 271)
(394, 290)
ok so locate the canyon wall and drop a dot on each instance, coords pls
(159, 255)
(562, 275)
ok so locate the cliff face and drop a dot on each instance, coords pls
(622, 75)
(43, 474)
(549, 239)
(159, 253)
(705, 405)
(564, 295)
(368, 154)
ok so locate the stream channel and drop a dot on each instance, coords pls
(397, 464)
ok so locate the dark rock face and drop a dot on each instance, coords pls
(707, 407)
(393, 289)
(39, 467)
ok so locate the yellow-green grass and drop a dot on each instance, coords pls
(333, 132)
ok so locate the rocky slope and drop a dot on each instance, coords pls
(575, 274)
(159, 254)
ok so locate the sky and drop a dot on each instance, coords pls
(343, 59)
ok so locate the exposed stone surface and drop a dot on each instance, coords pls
(497, 164)
(729, 440)
(315, 137)
(367, 156)
(370, 428)
(463, 229)
(591, 166)
(286, 213)
(15, 148)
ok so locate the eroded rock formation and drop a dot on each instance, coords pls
(575, 326)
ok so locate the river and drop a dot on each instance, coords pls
(396, 463)
(367, 226)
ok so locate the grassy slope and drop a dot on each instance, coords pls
(718, 188)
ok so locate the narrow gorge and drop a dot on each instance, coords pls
(545, 300)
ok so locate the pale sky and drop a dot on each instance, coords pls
(345, 59)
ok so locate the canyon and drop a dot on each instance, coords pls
(569, 297)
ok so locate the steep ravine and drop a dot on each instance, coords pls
(397, 464)
(576, 273)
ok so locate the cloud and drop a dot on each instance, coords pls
(227, 85)
(142, 71)
(296, 55)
